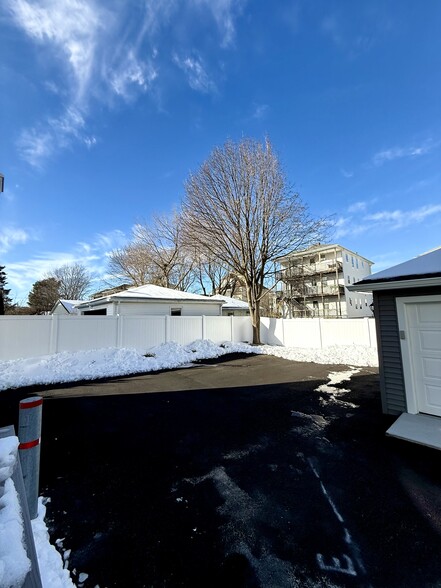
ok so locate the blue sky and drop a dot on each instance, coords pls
(106, 107)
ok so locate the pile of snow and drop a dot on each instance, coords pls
(14, 562)
(111, 362)
(357, 355)
(52, 570)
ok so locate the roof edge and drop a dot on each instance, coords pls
(394, 284)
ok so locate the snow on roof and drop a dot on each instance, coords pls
(69, 305)
(425, 265)
(231, 303)
(320, 247)
(151, 292)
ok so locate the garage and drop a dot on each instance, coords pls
(407, 309)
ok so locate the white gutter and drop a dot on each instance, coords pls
(395, 284)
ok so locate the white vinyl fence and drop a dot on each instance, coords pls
(33, 336)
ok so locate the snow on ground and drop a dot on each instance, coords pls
(14, 562)
(110, 362)
(104, 363)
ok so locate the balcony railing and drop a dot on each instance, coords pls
(301, 270)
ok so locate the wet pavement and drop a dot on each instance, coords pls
(253, 478)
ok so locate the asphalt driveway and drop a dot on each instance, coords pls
(238, 474)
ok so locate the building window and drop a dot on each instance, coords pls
(352, 257)
(347, 257)
(175, 311)
(356, 262)
(350, 301)
(349, 279)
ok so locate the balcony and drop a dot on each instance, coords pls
(294, 272)
(308, 291)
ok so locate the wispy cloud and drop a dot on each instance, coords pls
(132, 73)
(259, 111)
(93, 255)
(346, 174)
(70, 26)
(10, 237)
(387, 155)
(197, 77)
(36, 144)
(224, 13)
(384, 220)
(396, 219)
(107, 51)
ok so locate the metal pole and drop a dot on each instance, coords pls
(29, 435)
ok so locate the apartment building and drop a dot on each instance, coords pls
(314, 283)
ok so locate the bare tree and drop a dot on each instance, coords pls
(132, 264)
(212, 276)
(241, 211)
(74, 280)
(172, 264)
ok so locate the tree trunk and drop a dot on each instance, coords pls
(254, 305)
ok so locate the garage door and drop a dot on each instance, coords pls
(424, 333)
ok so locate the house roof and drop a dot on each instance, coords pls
(319, 248)
(231, 303)
(149, 292)
(69, 305)
(424, 270)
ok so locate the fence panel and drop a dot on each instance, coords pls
(301, 333)
(345, 332)
(242, 329)
(218, 328)
(142, 332)
(185, 329)
(25, 336)
(271, 331)
(85, 332)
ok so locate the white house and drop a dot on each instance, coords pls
(232, 306)
(65, 307)
(315, 283)
(152, 300)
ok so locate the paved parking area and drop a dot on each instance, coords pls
(239, 474)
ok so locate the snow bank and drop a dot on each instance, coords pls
(14, 562)
(52, 572)
(106, 363)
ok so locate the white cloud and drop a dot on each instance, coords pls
(260, 111)
(357, 206)
(108, 50)
(35, 145)
(347, 174)
(386, 220)
(93, 255)
(197, 77)
(224, 13)
(397, 219)
(10, 237)
(131, 73)
(393, 153)
(70, 26)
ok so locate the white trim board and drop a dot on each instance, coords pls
(417, 428)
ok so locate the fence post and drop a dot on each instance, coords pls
(320, 332)
(232, 328)
(204, 327)
(119, 330)
(29, 435)
(366, 322)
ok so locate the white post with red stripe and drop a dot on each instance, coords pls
(29, 435)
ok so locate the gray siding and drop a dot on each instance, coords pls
(393, 391)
